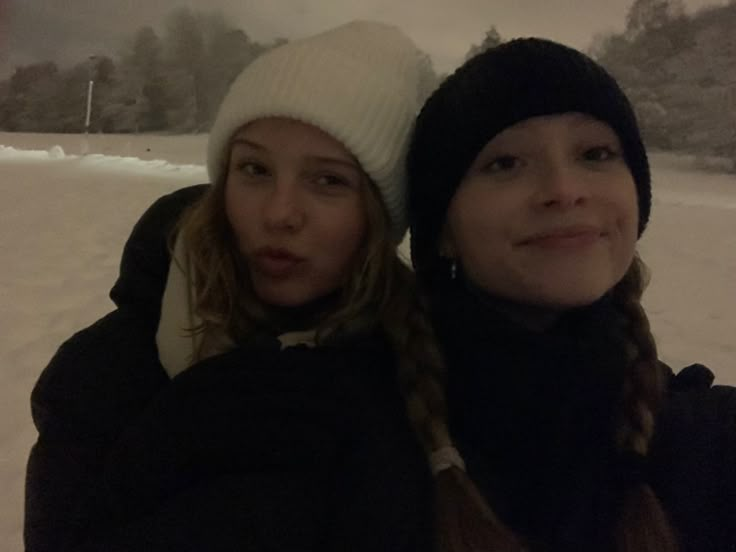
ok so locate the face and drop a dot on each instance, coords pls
(293, 198)
(547, 213)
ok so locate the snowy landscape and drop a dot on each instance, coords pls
(70, 201)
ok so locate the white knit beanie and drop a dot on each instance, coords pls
(363, 83)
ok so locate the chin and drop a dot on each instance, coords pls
(284, 298)
(571, 300)
(283, 302)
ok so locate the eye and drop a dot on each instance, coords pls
(333, 184)
(251, 171)
(331, 180)
(600, 154)
(501, 164)
(251, 168)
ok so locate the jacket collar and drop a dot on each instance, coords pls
(175, 341)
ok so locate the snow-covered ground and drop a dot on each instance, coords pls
(66, 211)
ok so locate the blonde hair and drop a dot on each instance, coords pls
(378, 293)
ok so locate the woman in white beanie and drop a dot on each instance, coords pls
(251, 389)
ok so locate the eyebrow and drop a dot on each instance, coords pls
(336, 161)
(349, 162)
(583, 120)
(246, 142)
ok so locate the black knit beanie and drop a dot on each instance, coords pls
(496, 89)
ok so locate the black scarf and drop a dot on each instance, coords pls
(534, 414)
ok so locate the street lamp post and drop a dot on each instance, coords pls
(90, 87)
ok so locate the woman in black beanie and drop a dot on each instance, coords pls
(529, 187)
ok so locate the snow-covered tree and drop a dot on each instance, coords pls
(490, 39)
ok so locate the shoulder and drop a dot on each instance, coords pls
(145, 260)
(693, 399)
(167, 209)
(697, 414)
(109, 366)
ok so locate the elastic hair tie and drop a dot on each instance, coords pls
(445, 458)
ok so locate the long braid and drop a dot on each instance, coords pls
(420, 368)
(465, 521)
(643, 525)
(643, 389)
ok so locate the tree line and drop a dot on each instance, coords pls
(679, 71)
(170, 82)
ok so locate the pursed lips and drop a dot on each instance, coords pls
(276, 262)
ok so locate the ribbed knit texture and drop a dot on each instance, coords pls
(498, 88)
(363, 83)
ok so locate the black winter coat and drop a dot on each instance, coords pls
(534, 415)
(256, 449)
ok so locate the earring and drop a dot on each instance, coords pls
(453, 269)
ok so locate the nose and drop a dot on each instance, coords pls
(561, 186)
(283, 208)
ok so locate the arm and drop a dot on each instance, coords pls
(386, 489)
(96, 382)
(128, 460)
(238, 451)
(145, 261)
(261, 450)
(85, 396)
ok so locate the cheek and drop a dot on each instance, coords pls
(479, 247)
(620, 192)
(346, 235)
(239, 213)
(480, 256)
(231, 211)
(624, 255)
(627, 207)
(474, 225)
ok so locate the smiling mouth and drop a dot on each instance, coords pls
(569, 238)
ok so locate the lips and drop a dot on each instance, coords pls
(569, 237)
(275, 262)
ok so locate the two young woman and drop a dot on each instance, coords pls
(274, 383)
